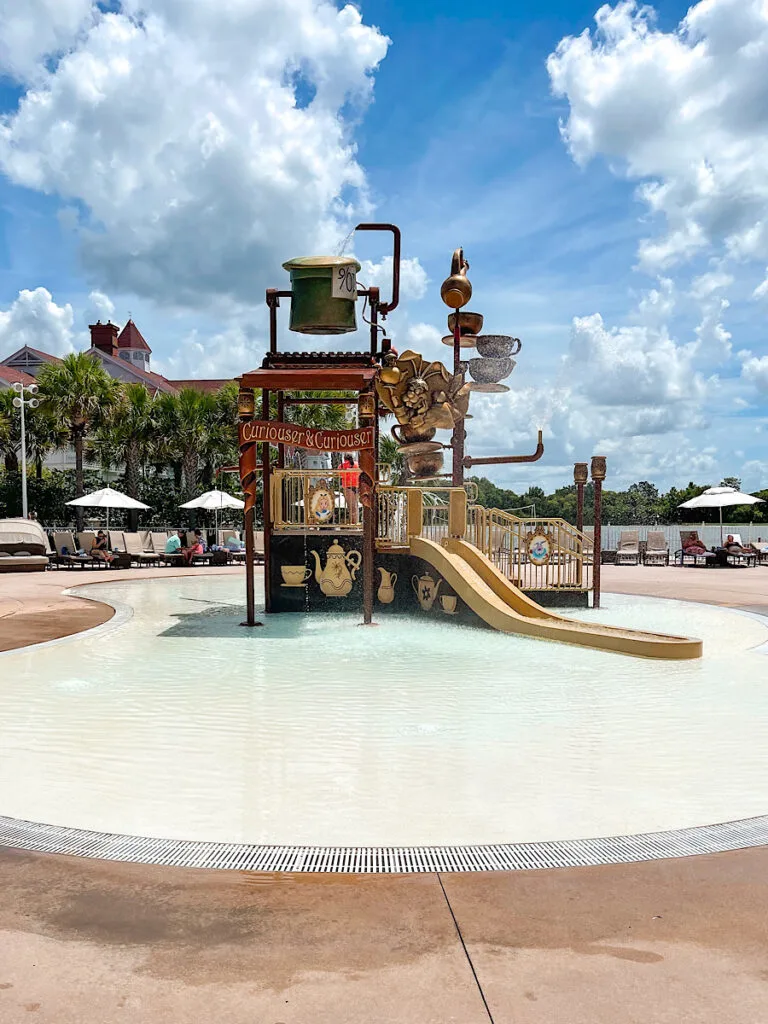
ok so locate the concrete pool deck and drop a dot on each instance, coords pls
(651, 943)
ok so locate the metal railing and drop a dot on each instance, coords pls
(534, 554)
(392, 517)
(312, 499)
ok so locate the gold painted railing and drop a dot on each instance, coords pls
(293, 507)
(504, 538)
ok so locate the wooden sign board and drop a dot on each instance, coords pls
(353, 440)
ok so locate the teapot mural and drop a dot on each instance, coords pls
(335, 580)
(425, 589)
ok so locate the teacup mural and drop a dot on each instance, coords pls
(295, 575)
(448, 603)
(386, 592)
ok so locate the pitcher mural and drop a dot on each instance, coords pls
(386, 592)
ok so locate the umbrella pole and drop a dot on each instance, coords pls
(721, 526)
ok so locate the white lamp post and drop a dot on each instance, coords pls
(20, 402)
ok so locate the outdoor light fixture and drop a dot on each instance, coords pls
(20, 402)
(246, 404)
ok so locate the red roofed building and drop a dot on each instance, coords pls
(9, 376)
(124, 354)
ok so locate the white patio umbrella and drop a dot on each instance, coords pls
(215, 500)
(107, 498)
(721, 497)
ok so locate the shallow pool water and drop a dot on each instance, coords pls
(180, 723)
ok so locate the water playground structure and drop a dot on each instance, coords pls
(424, 547)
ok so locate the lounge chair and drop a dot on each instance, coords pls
(66, 539)
(258, 546)
(206, 558)
(132, 543)
(760, 548)
(682, 557)
(746, 557)
(628, 551)
(223, 537)
(656, 549)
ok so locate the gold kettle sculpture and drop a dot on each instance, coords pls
(335, 580)
(425, 589)
(456, 290)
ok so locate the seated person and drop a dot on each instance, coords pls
(100, 548)
(196, 548)
(694, 546)
(174, 543)
(732, 546)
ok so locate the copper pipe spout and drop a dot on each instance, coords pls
(501, 460)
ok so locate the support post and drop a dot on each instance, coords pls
(457, 513)
(580, 471)
(366, 411)
(266, 506)
(414, 512)
(598, 475)
(246, 411)
(281, 418)
(459, 432)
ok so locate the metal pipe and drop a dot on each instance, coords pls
(501, 460)
(273, 302)
(385, 308)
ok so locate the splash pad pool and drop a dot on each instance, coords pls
(180, 725)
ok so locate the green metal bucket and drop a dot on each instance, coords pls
(314, 309)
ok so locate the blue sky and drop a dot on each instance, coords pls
(143, 192)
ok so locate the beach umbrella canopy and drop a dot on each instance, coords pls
(107, 498)
(721, 497)
(214, 500)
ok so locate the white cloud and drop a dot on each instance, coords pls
(754, 369)
(207, 141)
(413, 278)
(34, 319)
(32, 29)
(98, 307)
(681, 112)
(633, 366)
(225, 354)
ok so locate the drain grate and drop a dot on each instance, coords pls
(732, 835)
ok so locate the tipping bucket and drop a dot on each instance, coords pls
(324, 292)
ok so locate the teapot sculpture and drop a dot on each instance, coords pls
(425, 589)
(335, 580)
(456, 290)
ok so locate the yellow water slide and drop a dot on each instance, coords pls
(503, 606)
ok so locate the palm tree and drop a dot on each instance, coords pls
(130, 434)
(187, 424)
(390, 455)
(80, 394)
(9, 438)
(322, 417)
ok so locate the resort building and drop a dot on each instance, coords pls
(124, 354)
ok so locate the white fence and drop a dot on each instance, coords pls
(709, 533)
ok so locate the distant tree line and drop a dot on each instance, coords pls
(641, 503)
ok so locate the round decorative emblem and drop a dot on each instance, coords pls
(321, 504)
(539, 548)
